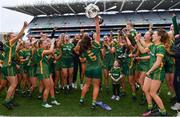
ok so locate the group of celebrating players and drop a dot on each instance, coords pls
(146, 62)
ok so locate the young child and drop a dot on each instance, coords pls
(116, 75)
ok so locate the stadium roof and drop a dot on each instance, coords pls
(61, 7)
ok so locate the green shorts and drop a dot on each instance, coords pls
(51, 68)
(18, 71)
(43, 76)
(158, 75)
(32, 71)
(169, 68)
(58, 65)
(9, 71)
(107, 67)
(23, 69)
(95, 73)
(125, 69)
(132, 71)
(67, 63)
(142, 66)
(3, 77)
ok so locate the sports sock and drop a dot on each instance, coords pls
(93, 102)
(150, 106)
(82, 98)
(163, 111)
(53, 98)
(44, 102)
(7, 101)
(133, 94)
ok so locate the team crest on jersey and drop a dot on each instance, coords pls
(152, 54)
(91, 55)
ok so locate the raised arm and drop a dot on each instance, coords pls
(140, 47)
(175, 25)
(20, 34)
(45, 52)
(77, 47)
(150, 27)
(143, 43)
(97, 28)
(129, 44)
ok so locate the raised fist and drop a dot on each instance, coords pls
(25, 24)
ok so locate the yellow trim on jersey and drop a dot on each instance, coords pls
(41, 67)
(160, 55)
(161, 66)
(10, 52)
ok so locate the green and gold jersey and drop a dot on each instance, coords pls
(67, 51)
(2, 54)
(109, 57)
(42, 62)
(132, 35)
(131, 60)
(31, 61)
(116, 72)
(51, 63)
(119, 52)
(157, 50)
(93, 59)
(25, 54)
(143, 61)
(57, 53)
(10, 53)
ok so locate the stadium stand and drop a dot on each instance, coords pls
(72, 24)
(69, 16)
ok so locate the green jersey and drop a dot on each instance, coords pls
(59, 61)
(93, 57)
(93, 61)
(122, 58)
(10, 53)
(119, 52)
(143, 65)
(144, 61)
(67, 51)
(51, 63)
(116, 72)
(108, 58)
(42, 62)
(1, 58)
(2, 54)
(57, 53)
(25, 54)
(31, 62)
(157, 50)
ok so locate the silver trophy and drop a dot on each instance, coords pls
(92, 11)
